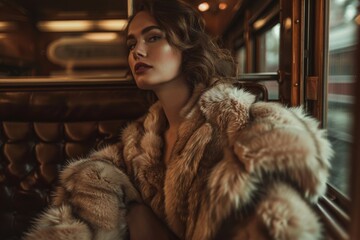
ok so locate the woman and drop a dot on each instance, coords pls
(206, 161)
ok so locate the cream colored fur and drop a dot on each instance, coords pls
(285, 140)
(92, 194)
(234, 160)
(59, 223)
(279, 211)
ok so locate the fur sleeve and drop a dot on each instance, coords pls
(276, 149)
(281, 213)
(99, 171)
(285, 142)
(92, 194)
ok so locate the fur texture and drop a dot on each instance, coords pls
(228, 151)
(92, 194)
(278, 211)
(59, 223)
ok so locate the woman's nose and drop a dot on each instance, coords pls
(139, 51)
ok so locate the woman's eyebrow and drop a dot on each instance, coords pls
(145, 30)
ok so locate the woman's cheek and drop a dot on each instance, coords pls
(131, 64)
(170, 58)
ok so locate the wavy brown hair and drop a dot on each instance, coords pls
(203, 60)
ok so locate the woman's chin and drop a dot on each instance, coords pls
(143, 85)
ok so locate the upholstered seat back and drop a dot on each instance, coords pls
(40, 130)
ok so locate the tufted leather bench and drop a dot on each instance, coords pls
(41, 128)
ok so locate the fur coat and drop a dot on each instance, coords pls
(239, 169)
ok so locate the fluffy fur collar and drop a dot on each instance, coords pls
(226, 145)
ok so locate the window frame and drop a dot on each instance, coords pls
(300, 69)
(247, 36)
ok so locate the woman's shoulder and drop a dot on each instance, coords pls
(224, 101)
(226, 89)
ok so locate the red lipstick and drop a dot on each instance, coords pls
(141, 67)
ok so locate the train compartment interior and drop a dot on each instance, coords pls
(66, 89)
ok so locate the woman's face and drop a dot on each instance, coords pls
(152, 60)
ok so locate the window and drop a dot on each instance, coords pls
(241, 60)
(269, 49)
(255, 38)
(341, 79)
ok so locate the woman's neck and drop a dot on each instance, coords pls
(173, 96)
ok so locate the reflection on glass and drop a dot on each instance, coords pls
(342, 40)
(241, 60)
(269, 50)
(269, 57)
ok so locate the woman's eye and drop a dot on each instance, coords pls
(154, 38)
(130, 46)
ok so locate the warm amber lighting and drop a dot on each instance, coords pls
(287, 23)
(6, 26)
(112, 25)
(101, 37)
(65, 26)
(223, 6)
(82, 25)
(130, 4)
(203, 6)
(259, 23)
(2, 36)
